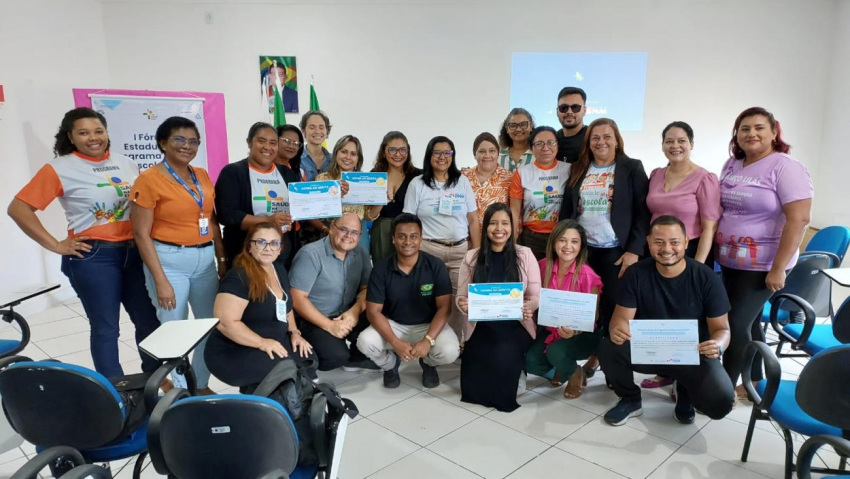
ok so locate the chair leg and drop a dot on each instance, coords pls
(789, 454)
(748, 440)
(140, 461)
(842, 464)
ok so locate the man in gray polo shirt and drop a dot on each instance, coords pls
(328, 281)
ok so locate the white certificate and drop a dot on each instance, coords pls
(495, 301)
(365, 188)
(314, 199)
(576, 311)
(671, 342)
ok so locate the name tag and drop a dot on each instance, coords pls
(445, 207)
(280, 310)
(204, 226)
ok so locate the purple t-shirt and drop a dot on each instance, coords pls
(696, 198)
(752, 198)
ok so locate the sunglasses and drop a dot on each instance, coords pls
(575, 108)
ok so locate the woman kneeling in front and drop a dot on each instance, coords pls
(257, 328)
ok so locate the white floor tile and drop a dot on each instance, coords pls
(423, 418)
(725, 440)
(338, 376)
(596, 398)
(11, 467)
(543, 418)
(450, 391)
(554, 460)
(623, 450)
(688, 464)
(742, 415)
(65, 345)
(58, 329)
(127, 333)
(56, 313)
(488, 448)
(411, 374)
(657, 419)
(77, 308)
(370, 395)
(80, 358)
(11, 455)
(370, 448)
(423, 464)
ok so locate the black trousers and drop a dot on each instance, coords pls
(747, 295)
(708, 386)
(333, 352)
(602, 261)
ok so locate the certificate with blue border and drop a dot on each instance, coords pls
(671, 342)
(365, 188)
(495, 301)
(314, 200)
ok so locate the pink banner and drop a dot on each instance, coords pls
(216, 128)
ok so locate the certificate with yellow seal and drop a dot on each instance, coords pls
(365, 188)
(495, 301)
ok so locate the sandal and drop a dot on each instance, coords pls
(573, 390)
(556, 380)
(656, 382)
(591, 366)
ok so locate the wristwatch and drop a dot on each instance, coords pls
(431, 340)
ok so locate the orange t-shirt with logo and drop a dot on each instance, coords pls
(175, 211)
(94, 192)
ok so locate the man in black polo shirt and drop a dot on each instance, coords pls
(408, 303)
(571, 110)
(670, 286)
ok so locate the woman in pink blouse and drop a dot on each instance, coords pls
(555, 354)
(493, 357)
(689, 192)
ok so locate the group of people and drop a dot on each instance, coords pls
(563, 209)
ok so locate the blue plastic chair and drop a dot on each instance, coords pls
(809, 337)
(811, 446)
(835, 240)
(11, 347)
(816, 404)
(45, 458)
(805, 281)
(235, 436)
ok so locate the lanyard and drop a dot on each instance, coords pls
(198, 199)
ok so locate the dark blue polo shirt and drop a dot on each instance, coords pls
(409, 298)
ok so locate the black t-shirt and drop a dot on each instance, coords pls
(260, 317)
(395, 208)
(569, 147)
(409, 298)
(696, 293)
(496, 272)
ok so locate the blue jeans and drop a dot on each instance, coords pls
(104, 279)
(193, 274)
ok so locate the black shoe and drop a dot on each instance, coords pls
(391, 377)
(684, 412)
(364, 366)
(430, 378)
(626, 408)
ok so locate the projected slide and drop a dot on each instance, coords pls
(615, 84)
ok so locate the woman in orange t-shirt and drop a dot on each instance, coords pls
(99, 256)
(178, 235)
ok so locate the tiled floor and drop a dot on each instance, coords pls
(415, 433)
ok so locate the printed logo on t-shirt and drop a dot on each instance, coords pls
(274, 201)
(102, 214)
(427, 289)
(122, 188)
(547, 190)
(739, 252)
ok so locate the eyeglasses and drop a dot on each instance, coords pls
(540, 144)
(575, 108)
(444, 154)
(518, 126)
(345, 231)
(180, 142)
(288, 142)
(274, 245)
(397, 151)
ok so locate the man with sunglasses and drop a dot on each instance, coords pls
(571, 110)
(328, 281)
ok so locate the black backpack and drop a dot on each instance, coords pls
(289, 384)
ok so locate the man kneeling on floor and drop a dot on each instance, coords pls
(670, 286)
(408, 303)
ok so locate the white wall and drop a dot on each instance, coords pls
(429, 67)
(48, 47)
(831, 205)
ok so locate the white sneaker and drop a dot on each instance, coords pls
(523, 382)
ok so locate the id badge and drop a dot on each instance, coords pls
(280, 310)
(446, 201)
(204, 226)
